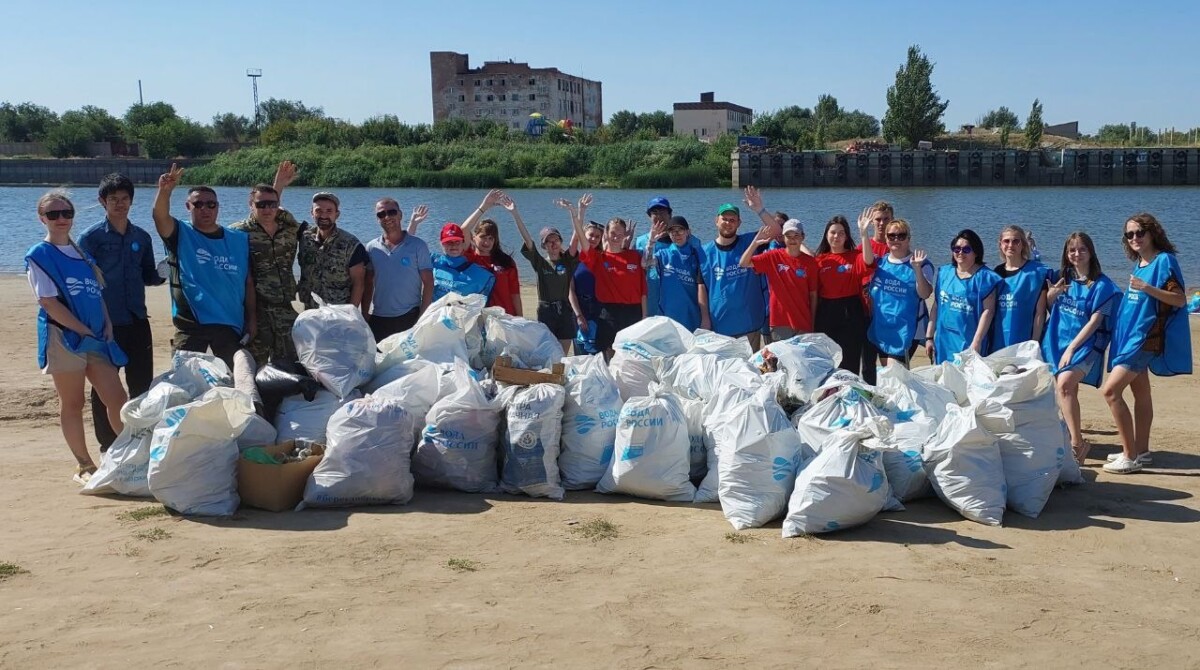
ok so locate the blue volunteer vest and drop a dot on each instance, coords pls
(959, 306)
(735, 295)
(212, 275)
(895, 307)
(1137, 312)
(1016, 305)
(679, 298)
(81, 293)
(654, 298)
(461, 276)
(1068, 315)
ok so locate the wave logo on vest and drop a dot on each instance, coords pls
(77, 286)
(218, 262)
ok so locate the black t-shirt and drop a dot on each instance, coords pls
(183, 311)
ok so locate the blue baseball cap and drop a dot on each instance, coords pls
(658, 201)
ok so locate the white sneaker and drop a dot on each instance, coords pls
(1144, 458)
(1123, 465)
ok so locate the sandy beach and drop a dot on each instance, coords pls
(1108, 576)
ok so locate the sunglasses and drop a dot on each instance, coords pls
(385, 213)
(204, 204)
(897, 237)
(54, 215)
(266, 204)
(1129, 234)
(1014, 242)
(964, 249)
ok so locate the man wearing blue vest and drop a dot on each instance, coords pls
(212, 290)
(734, 293)
(659, 212)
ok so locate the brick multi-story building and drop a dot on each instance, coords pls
(508, 92)
(706, 119)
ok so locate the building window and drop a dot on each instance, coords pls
(460, 82)
(502, 83)
(476, 82)
(476, 97)
(704, 132)
(490, 98)
(504, 112)
(533, 81)
(489, 82)
(462, 98)
(533, 96)
(502, 97)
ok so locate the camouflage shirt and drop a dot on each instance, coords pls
(325, 266)
(272, 258)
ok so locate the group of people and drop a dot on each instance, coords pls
(233, 287)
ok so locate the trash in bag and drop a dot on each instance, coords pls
(196, 373)
(124, 466)
(708, 342)
(965, 467)
(533, 427)
(702, 375)
(336, 346)
(849, 408)
(722, 405)
(912, 394)
(257, 433)
(424, 384)
(699, 438)
(458, 446)
(650, 459)
(280, 379)
(366, 459)
(589, 426)
(300, 419)
(806, 360)
(194, 454)
(244, 371)
(395, 372)
(842, 486)
(449, 330)
(632, 372)
(758, 454)
(654, 336)
(530, 344)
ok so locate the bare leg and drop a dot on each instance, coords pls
(1067, 389)
(1143, 412)
(1113, 389)
(755, 340)
(106, 382)
(70, 414)
(566, 345)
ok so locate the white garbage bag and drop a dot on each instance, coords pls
(842, 486)
(965, 467)
(806, 361)
(729, 397)
(194, 454)
(300, 419)
(366, 459)
(758, 454)
(196, 373)
(395, 372)
(702, 375)
(589, 427)
(530, 344)
(846, 409)
(257, 433)
(461, 436)
(708, 342)
(124, 466)
(532, 432)
(418, 390)
(335, 344)
(912, 394)
(654, 336)
(633, 372)
(449, 330)
(699, 438)
(651, 454)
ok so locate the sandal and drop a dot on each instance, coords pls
(1081, 451)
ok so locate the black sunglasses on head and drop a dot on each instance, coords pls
(384, 213)
(67, 214)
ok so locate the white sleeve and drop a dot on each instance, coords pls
(40, 282)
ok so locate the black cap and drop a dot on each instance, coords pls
(678, 221)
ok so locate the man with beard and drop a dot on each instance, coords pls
(734, 293)
(333, 263)
(399, 285)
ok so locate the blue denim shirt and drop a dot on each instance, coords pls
(127, 262)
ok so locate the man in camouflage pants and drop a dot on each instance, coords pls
(333, 263)
(273, 235)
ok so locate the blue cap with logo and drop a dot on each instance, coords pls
(658, 201)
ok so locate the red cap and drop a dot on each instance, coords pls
(452, 232)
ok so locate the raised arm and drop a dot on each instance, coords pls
(490, 200)
(419, 214)
(656, 231)
(917, 261)
(284, 175)
(163, 221)
(577, 215)
(754, 201)
(864, 225)
(763, 237)
(508, 204)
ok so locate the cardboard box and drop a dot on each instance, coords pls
(276, 488)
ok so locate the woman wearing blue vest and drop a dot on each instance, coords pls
(1077, 331)
(583, 285)
(679, 274)
(903, 280)
(1150, 334)
(75, 339)
(453, 272)
(964, 301)
(1021, 300)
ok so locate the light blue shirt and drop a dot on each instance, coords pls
(397, 273)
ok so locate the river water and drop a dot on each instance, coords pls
(936, 214)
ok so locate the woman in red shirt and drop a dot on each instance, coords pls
(841, 273)
(792, 276)
(485, 251)
(620, 282)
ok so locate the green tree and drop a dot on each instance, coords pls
(1034, 126)
(71, 137)
(25, 122)
(1004, 132)
(662, 123)
(827, 108)
(999, 118)
(274, 109)
(384, 130)
(230, 127)
(914, 108)
(139, 116)
(623, 123)
(280, 132)
(175, 137)
(853, 125)
(1114, 133)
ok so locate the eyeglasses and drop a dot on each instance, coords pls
(1129, 234)
(897, 237)
(385, 213)
(204, 204)
(1013, 242)
(963, 249)
(266, 204)
(67, 214)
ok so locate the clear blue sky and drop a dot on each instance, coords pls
(1095, 62)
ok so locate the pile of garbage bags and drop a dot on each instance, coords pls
(781, 434)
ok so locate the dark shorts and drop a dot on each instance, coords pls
(224, 341)
(912, 349)
(559, 318)
(1139, 363)
(383, 326)
(613, 319)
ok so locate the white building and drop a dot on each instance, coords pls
(708, 119)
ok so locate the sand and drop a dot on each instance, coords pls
(1107, 576)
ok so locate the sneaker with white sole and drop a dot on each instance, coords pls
(1123, 465)
(1144, 458)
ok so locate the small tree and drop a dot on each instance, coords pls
(999, 118)
(914, 109)
(1004, 131)
(69, 138)
(230, 127)
(1034, 126)
(623, 123)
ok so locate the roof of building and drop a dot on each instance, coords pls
(702, 106)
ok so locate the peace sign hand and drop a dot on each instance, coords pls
(170, 180)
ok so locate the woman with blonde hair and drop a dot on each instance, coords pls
(1021, 298)
(75, 338)
(902, 281)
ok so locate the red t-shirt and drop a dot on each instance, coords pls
(507, 284)
(620, 279)
(792, 281)
(842, 275)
